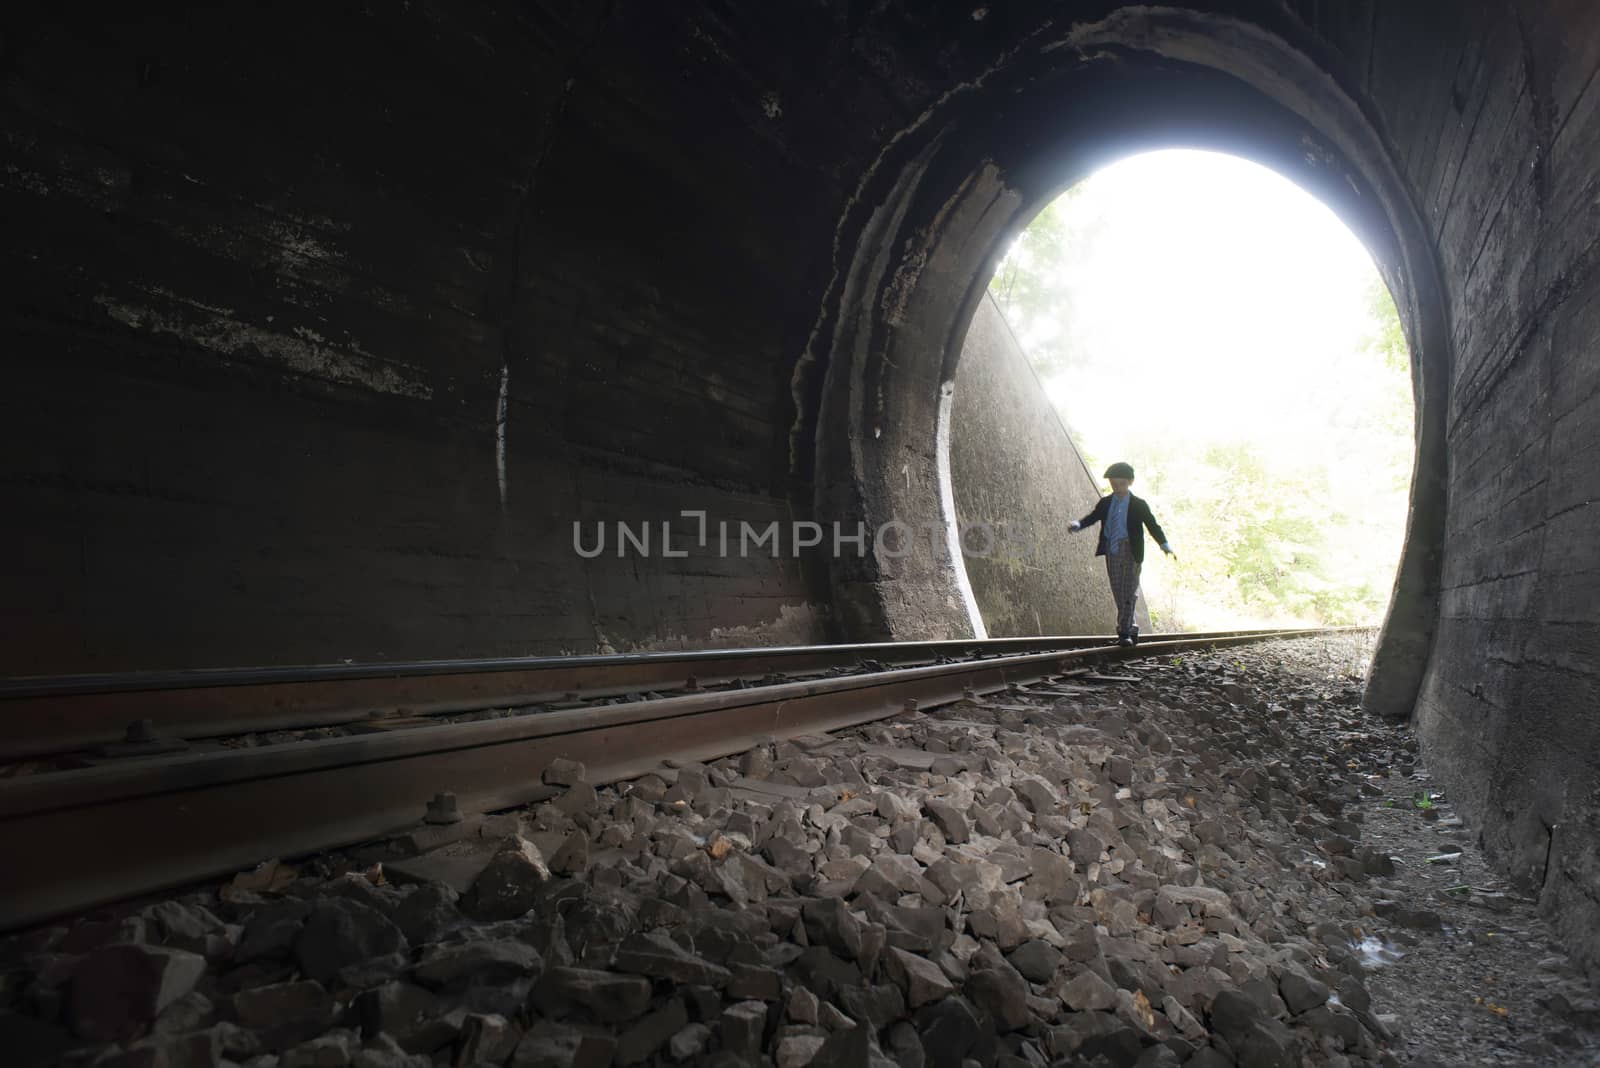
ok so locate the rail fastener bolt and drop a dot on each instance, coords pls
(141, 739)
(443, 810)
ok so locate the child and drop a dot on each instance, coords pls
(1122, 518)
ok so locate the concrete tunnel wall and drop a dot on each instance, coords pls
(1017, 481)
(321, 335)
(283, 292)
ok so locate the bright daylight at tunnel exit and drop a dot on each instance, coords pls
(778, 534)
(1206, 319)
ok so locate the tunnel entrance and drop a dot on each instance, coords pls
(1207, 319)
(933, 215)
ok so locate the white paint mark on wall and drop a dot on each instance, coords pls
(947, 506)
(500, 417)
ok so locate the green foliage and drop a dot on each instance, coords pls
(1034, 284)
(1255, 540)
(1387, 339)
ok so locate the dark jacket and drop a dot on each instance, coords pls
(1139, 517)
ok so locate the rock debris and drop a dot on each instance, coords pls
(1177, 871)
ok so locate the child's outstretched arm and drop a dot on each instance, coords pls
(1089, 520)
(1156, 532)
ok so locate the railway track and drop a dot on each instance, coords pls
(153, 820)
(43, 716)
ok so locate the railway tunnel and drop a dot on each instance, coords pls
(340, 338)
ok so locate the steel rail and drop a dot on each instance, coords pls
(101, 834)
(47, 715)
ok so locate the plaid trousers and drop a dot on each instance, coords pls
(1123, 571)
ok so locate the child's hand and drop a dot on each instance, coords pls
(1168, 550)
(1074, 526)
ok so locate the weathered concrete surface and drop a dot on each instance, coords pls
(304, 362)
(1018, 482)
(1502, 152)
(319, 340)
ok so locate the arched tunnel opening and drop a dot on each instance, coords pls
(967, 182)
(445, 608)
(1205, 316)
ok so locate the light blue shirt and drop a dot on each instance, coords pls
(1116, 529)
